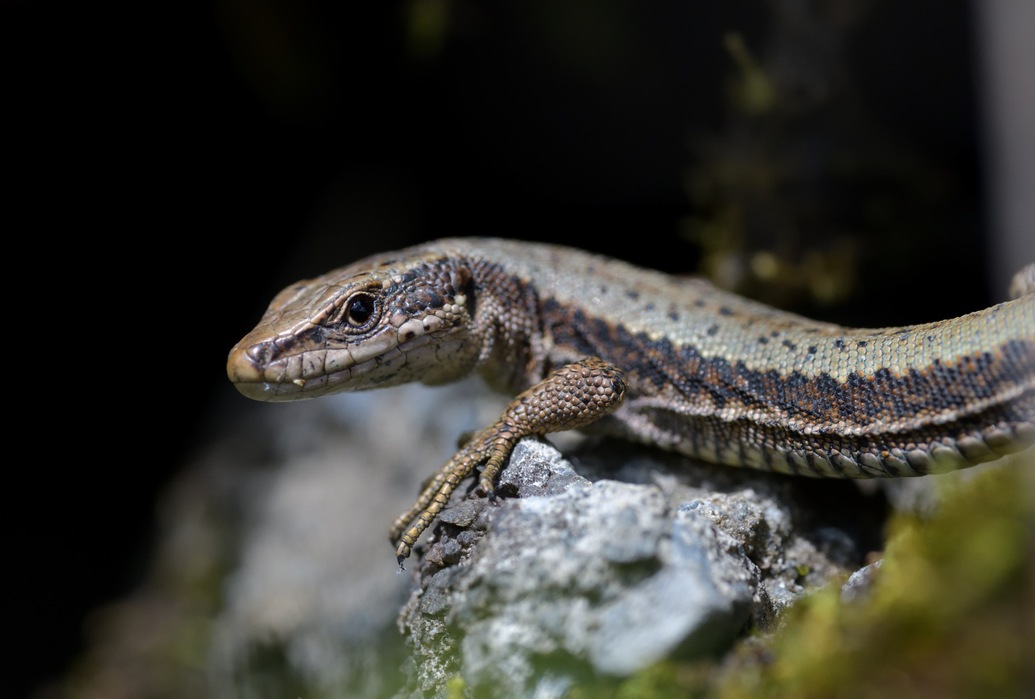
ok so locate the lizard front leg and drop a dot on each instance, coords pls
(571, 397)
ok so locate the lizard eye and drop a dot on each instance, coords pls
(359, 308)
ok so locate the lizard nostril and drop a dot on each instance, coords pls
(245, 363)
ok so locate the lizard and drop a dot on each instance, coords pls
(596, 344)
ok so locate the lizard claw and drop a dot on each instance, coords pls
(575, 395)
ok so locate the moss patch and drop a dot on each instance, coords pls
(951, 613)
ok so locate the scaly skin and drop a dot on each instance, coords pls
(590, 342)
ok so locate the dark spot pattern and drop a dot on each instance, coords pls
(315, 336)
(844, 419)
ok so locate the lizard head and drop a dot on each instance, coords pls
(379, 322)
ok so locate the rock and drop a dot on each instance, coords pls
(859, 585)
(569, 576)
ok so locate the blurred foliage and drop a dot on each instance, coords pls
(806, 187)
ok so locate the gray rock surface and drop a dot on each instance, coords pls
(603, 573)
(567, 576)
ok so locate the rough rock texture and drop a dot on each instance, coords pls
(565, 577)
(607, 574)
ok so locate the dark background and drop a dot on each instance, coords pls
(171, 166)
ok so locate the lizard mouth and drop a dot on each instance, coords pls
(260, 372)
(295, 377)
(272, 370)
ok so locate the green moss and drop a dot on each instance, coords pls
(456, 687)
(688, 680)
(951, 613)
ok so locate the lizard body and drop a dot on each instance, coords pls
(590, 342)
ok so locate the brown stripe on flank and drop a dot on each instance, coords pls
(943, 390)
